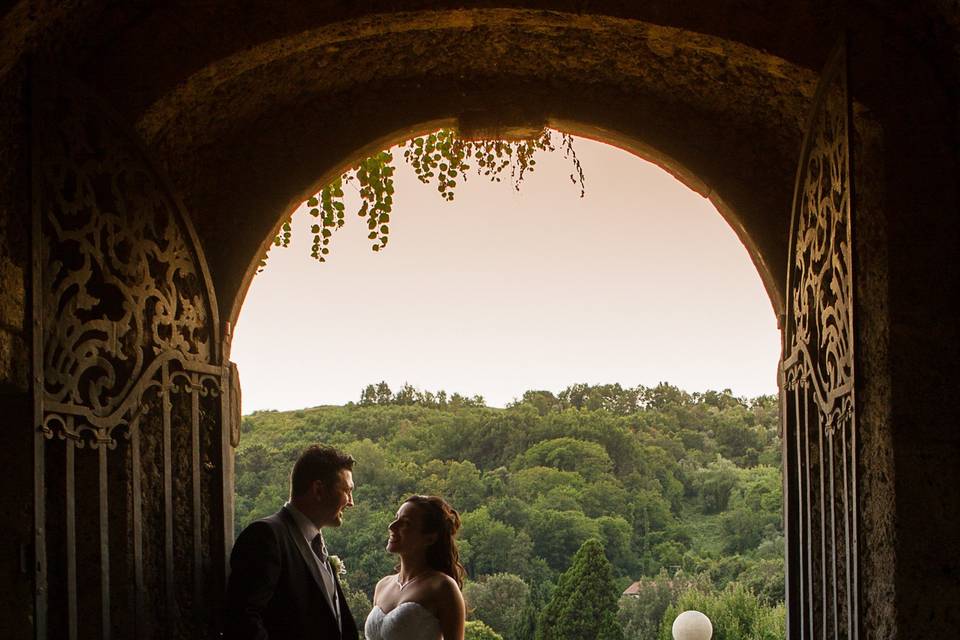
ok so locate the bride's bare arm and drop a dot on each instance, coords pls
(450, 610)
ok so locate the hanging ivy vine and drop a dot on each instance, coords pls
(441, 158)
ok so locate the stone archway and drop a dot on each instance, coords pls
(702, 101)
(246, 109)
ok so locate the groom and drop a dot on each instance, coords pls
(282, 586)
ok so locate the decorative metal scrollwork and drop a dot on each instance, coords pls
(819, 328)
(820, 439)
(122, 289)
(132, 397)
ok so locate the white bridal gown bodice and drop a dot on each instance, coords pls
(407, 621)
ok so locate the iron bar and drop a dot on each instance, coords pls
(833, 534)
(104, 543)
(846, 532)
(169, 585)
(71, 528)
(197, 506)
(822, 586)
(808, 507)
(801, 531)
(137, 491)
(39, 540)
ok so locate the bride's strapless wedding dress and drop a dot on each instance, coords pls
(406, 621)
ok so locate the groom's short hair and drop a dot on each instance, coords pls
(318, 462)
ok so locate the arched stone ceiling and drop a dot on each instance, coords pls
(256, 131)
(250, 109)
(673, 63)
(249, 106)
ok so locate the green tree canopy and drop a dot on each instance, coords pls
(493, 547)
(736, 614)
(498, 600)
(715, 483)
(589, 459)
(477, 630)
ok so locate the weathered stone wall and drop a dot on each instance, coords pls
(906, 163)
(14, 234)
(872, 330)
(16, 452)
(922, 207)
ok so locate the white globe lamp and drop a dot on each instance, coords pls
(692, 625)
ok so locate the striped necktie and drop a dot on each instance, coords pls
(319, 547)
(326, 573)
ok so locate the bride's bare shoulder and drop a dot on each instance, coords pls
(384, 581)
(446, 587)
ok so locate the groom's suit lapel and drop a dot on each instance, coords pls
(307, 554)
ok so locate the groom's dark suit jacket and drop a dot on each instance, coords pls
(275, 590)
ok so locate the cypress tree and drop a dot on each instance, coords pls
(584, 606)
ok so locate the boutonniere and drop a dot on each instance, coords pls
(339, 568)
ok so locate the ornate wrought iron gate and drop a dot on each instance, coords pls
(817, 392)
(132, 395)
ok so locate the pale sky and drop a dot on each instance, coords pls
(500, 291)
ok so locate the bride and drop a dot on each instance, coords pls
(422, 601)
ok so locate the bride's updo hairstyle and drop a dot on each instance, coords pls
(440, 518)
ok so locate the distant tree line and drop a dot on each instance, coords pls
(408, 395)
(678, 492)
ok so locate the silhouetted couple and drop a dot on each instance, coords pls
(283, 585)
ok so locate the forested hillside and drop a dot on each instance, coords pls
(683, 490)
